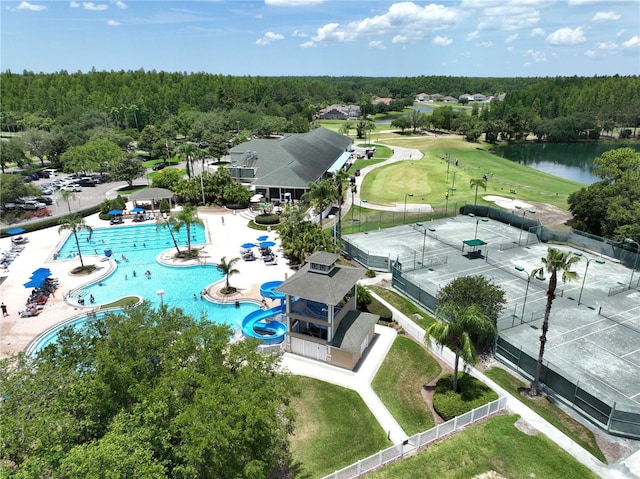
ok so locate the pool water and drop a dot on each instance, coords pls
(135, 249)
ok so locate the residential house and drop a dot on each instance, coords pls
(379, 100)
(339, 112)
(450, 99)
(423, 97)
(281, 169)
(322, 320)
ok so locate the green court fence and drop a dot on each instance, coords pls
(617, 418)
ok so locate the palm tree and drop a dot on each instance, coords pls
(456, 329)
(340, 177)
(321, 194)
(188, 151)
(363, 296)
(477, 182)
(161, 222)
(556, 260)
(226, 268)
(75, 224)
(187, 217)
(67, 196)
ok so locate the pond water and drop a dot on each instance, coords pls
(572, 161)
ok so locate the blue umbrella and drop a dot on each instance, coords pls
(34, 283)
(137, 210)
(262, 238)
(115, 212)
(15, 231)
(267, 244)
(41, 272)
(247, 245)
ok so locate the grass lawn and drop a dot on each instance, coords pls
(556, 416)
(399, 381)
(493, 445)
(428, 180)
(334, 428)
(406, 307)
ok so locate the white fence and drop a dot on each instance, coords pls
(418, 441)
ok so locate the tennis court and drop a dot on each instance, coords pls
(595, 342)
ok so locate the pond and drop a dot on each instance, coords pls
(572, 161)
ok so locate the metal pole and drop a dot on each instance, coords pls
(526, 292)
(404, 216)
(583, 280)
(635, 262)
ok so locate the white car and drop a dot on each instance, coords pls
(70, 187)
(33, 205)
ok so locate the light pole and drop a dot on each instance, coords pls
(453, 183)
(524, 212)
(360, 213)
(484, 220)
(404, 217)
(160, 293)
(424, 239)
(526, 291)
(353, 192)
(446, 204)
(635, 261)
(589, 260)
(237, 127)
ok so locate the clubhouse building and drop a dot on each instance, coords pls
(281, 169)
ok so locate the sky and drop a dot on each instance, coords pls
(481, 38)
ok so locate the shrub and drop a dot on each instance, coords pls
(164, 206)
(370, 273)
(471, 394)
(267, 219)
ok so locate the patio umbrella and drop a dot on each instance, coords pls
(34, 283)
(115, 212)
(247, 245)
(15, 231)
(46, 272)
(267, 244)
(137, 210)
(262, 238)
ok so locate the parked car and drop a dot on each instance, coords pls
(86, 181)
(47, 191)
(159, 166)
(44, 199)
(33, 205)
(100, 178)
(71, 187)
(9, 206)
(203, 144)
(357, 172)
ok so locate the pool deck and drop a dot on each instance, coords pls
(223, 239)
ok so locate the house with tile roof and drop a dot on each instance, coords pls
(322, 320)
(281, 169)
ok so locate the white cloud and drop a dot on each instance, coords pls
(484, 44)
(442, 41)
(511, 38)
(537, 32)
(632, 45)
(119, 4)
(398, 19)
(566, 36)
(620, 33)
(113, 23)
(605, 17)
(536, 56)
(472, 36)
(400, 39)
(376, 44)
(31, 7)
(591, 53)
(291, 3)
(607, 46)
(299, 34)
(268, 38)
(510, 49)
(308, 44)
(89, 6)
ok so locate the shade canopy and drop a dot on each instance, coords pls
(263, 238)
(247, 245)
(115, 212)
(137, 210)
(34, 283)
(15, 231)
(474, 242)
(267, 244)
(41, 273)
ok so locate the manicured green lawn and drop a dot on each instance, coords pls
(334, 428)
(406, 307)
(405, 370)
(572, 428)
(493, 445)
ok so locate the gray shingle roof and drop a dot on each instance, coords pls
(353, 329)
(323, 288)
(295, 160)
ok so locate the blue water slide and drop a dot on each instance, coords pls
(257, 325)
(267, 290)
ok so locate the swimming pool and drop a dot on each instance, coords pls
(135, 248)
